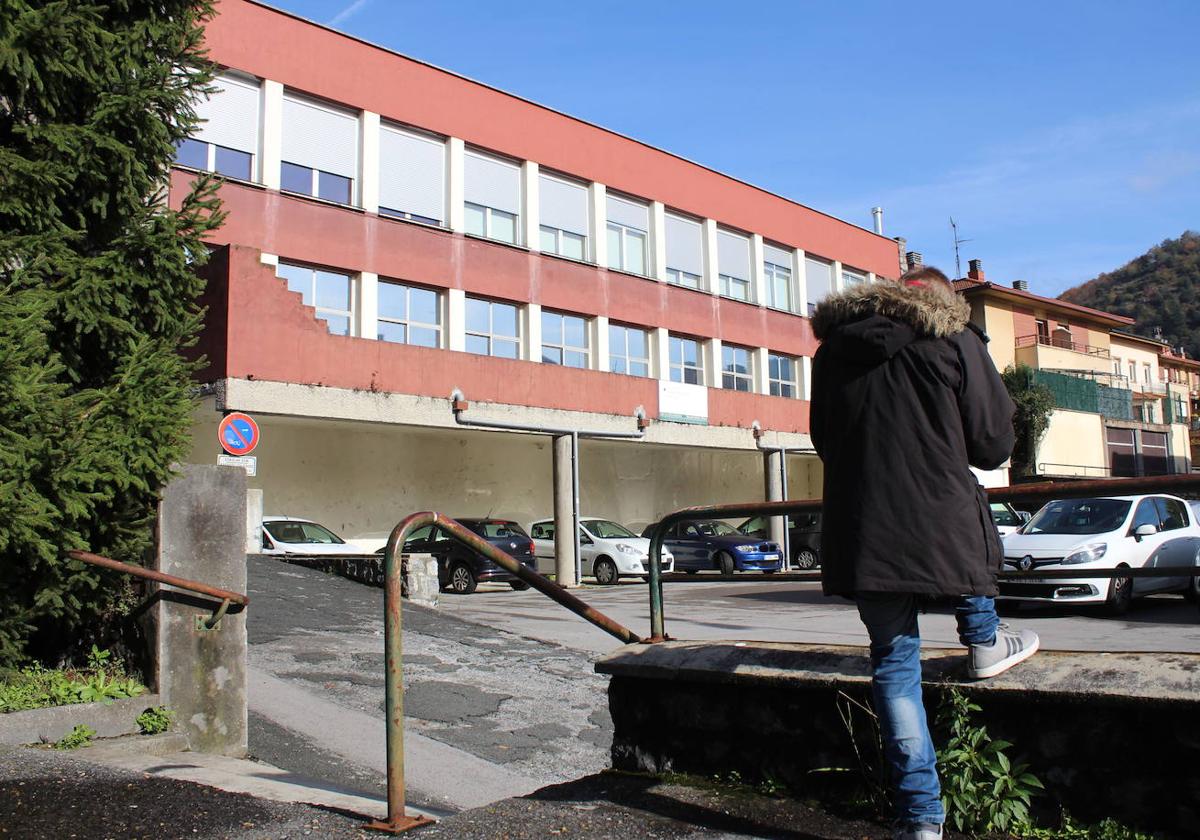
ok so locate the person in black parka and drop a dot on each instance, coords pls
(905, 399)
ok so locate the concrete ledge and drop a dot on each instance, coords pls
(38, 726)
(1109, 734)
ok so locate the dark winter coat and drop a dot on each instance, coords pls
(904, 397)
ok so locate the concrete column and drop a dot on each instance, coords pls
(871, 277)
(600, 343)
(805, 377)
(564, 521)
(271, 142)
(658, 241)
(838, 284)
(456, 319)
(368, 174)
(708, 236)
(530, 214)
(598, 222)
(758, 278)
(661, 349)
(762, 370)
(368, 305)
(531, 335)
(202, 672)
(799, 281)
(712, 363)
(455, 183)
(772, 463)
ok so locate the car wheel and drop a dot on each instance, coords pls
(462, 580)
(725, 564)
(1192, 593)
(1120, 595)
(806, 559)
(605, 571)
(518, 585)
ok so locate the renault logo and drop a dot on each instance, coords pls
(1025, 563)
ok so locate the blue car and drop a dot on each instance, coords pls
(705, 544)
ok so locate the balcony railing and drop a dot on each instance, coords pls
(1062, 344)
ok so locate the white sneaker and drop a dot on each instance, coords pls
(920, 831)
(1006, 650)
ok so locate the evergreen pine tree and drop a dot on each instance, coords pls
(97, 295)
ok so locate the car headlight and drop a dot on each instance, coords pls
(1086, 554)
(746, 547)
(624, 548)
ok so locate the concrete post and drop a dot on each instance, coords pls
(661, 350)
(799, 282)
(368, 305)
(271, 142)
(369, 162)
(773, 473)
(658, 240)
(564, 519)
(712, 280)
(455, 183)
(456, 319)
(202, 672)
(598, 222)
(530, 206)
(758, 277)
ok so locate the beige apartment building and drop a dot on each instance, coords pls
(1119, 409)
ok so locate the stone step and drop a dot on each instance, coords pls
(135, 745)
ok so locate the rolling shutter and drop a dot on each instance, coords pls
(412, 173)
(818, 278)
(492, 182)
(320, 137)
(684, 250)
(563, 205)
(230, 114)
(777, 256)
(628, 213)
(733, 255)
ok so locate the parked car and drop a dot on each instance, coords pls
(1007, 518)
(461, 569)
(804, 536)
(607, 549)
(1105, 533)
(372, 541)
(704, 544)
(292, 535)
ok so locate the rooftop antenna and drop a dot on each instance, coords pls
(957, 262)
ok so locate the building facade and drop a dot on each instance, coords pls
(1116, 412)
(397, 233)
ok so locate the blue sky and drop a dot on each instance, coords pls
(1063, 137)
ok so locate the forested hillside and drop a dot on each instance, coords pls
(1161, 288)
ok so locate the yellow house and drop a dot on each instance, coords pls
(1114, 414)
(1182, 376)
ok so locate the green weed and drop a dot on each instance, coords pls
(155, 721)
(80, 736)
(35, 687)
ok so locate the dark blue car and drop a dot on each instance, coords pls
(705, 544)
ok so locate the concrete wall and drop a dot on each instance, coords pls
(1074, 437)
(357, 478)
(997, 321)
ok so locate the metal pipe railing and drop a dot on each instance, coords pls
(225, 596)
(397, 821)
(1041, 491)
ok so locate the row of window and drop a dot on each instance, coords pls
(320, 158)
(413, 315)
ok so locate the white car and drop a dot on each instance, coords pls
(292, 535)
(1104, 533)
(1007, 518)
(607, 549)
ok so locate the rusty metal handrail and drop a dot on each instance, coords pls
(225, 596)
(397, 820)
(1045, 490)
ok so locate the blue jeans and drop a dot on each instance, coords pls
(891, 620)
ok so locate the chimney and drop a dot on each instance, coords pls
(975, 270)
(901, 245)
(914, 260)
(877, 213)
(1021, 285)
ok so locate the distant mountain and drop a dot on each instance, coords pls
(1161, 288)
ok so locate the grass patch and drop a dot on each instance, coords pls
(103, 680)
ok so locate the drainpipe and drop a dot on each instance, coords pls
(756, 429)
(459, 404)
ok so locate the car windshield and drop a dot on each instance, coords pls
(713, 528)
(496, 529)
(295, 533)
(1002, 514)
(1079, 516)
(606, 530)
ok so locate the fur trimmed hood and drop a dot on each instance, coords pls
(934, 310)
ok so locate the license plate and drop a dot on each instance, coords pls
(1023, 580)
(770, 556)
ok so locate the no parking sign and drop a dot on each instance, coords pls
(238, 433)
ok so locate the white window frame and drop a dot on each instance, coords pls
(731, 379)
(315, 183)
(491, 335)
(679, 277)
(617, 260)
(850, 277)
(624, 353)
(562, 347)
(776, 386)
(772, 272)
(348, 314)
(729, 283)
(559, 236)
(681, 367)
(488, 233)
(408, 322)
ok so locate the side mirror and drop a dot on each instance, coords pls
(584, 539)
(1025, 515)
(1145, 531)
